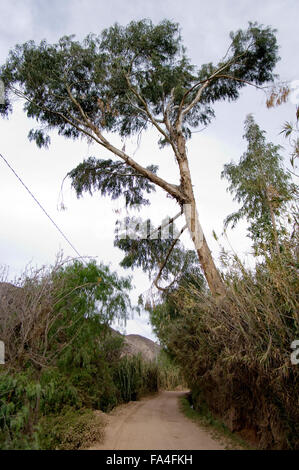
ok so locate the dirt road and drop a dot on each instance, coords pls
(154, 423)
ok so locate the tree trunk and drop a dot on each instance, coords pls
(206, 261)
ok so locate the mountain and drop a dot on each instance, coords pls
(135, 344)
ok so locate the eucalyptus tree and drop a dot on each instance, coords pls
(126, 80)
(260, 182)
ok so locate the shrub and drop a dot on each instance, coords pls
(71, 430)
(60, 354)
(19, 397)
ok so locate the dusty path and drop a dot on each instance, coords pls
(154, 423)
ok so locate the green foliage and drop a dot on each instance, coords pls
(135, 377)
(102, 72)
(60, 314)
(94, 292)
(111, 178)
(290, 131)
(25, 398)
(142, 250)
(125, 80)
(57, 391)
(261, 183)
(170, 373)
(19, 396)
(60, 351)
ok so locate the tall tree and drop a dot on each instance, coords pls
(124, 81)
(261, 183)
(278, 95)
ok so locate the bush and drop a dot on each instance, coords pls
(19, 398)
(60, 354)
(71, 430)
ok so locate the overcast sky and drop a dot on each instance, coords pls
(26, 235)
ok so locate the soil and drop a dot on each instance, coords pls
(154, 422)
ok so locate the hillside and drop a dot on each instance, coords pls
(135, 344)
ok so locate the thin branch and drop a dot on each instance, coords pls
(149, 114)
(166, 259)
(58, 113)
(183, 111)
(164, 225)
(172, 189)
(231, 77)
(77, 104)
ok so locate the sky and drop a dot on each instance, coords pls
(27, 236)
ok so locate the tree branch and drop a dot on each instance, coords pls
(98, 137)
(231, 77)
(149, 114)
(164, 225)
(166, 259)
(183, 111)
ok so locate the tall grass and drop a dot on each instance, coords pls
(170, 373)
(135, 377)
(236, 354)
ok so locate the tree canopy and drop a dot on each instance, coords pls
(126, 80)
(115, 78)
(260, 183)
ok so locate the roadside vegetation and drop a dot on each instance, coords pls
(62, 361)
(230, 332)
(218, 430)
(236, 352)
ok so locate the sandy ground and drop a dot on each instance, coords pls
(154, 423)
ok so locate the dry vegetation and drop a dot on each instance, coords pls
(236, 354)
(62, 362)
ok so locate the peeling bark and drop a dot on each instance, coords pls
(206, 261)
(211, 273)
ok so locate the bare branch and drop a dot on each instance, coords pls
(166, 259)
(164, 225)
